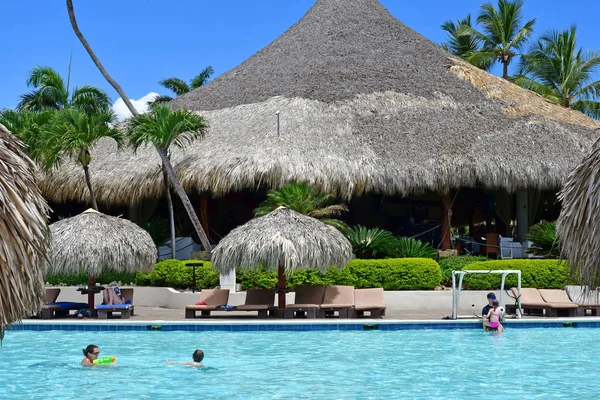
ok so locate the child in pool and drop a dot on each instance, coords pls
(493, 318)
(198, 356)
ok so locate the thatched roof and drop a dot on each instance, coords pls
(24, 234)
(283, 237)
(365, 103)
(579, 222)
(93, 242)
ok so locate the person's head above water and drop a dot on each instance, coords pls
(91, 351)
(198, 356)
(491, 297)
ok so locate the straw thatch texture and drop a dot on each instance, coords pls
(579, 222)
(24, 234)
(283, 237)
(365, 104)
(93, 242)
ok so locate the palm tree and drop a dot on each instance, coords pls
(502, 35)
(462, 45)
(164, 128)
(72, 135)
(179, 87)
(162, 154)
(560, 71)
(305, 199)
(29, 126)
(50, 92)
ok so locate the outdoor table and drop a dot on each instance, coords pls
(91, 291)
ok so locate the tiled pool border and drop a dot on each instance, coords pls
(292, 325)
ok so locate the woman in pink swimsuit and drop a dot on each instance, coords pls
(493, 316)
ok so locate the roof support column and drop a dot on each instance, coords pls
(204, 214)
(445, 224)
(522, 214)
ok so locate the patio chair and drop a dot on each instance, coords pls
(369, 300)
(113, 303)
(560, 303)
(261, 300)
(532, 300)
(214, 299)
(338, 299)
(308, 300)
(587, 300)
(48, 309)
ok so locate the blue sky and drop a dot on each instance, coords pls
(143, 41)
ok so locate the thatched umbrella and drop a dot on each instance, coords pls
(365, 104)
(283, 240)
(24, 234)
(579, 222)
(93, 242)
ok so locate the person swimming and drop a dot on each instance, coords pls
(197, 356)
(493, 317)
(90, 354)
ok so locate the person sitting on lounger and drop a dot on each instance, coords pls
(90, 354)
(198, 356)
(493, 318)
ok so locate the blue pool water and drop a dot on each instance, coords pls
(458, 364)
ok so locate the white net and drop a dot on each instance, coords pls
(467, 303)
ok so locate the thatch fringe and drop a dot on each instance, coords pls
(93, 242)
(283, 237)
(24, 234)
(579, 222)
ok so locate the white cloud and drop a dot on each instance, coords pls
(122, 112)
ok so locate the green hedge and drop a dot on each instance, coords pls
(539, 274)
(390, 274)
(82, 279)
(175, 274)
(456, 263)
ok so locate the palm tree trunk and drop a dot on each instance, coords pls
(95, 59)
(187, 204)
(88, 182)
(162, 153)
(170, 207)
(504, 70)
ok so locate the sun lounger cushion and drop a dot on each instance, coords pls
(338, 297)
(557, 298)
(113, 306)
(68, 305)
(52, 295)
(308, 296)
(369, 299)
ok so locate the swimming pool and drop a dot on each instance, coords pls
(415, 364)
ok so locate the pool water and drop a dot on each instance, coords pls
(456, 364)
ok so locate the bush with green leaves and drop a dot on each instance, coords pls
(411, 247)
(539, 274)
(176, 274)
(544, 239)
(125, 278)
(456, 263)
(368, 243)
(390, 274)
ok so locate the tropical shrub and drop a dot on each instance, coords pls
(539, 274)
(176, 274)
(456, 263)
(544, 239)
(370, 243)
(125, 278)
(411, 247)
(390, 274)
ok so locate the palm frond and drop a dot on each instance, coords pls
(202, 78)
(176, 85)
(90, 99)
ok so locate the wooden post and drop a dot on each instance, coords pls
(281, 288)
(446, 241)
(204, 214)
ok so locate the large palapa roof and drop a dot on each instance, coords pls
(364, 104)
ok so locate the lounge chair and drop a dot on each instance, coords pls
(560, 303)
(214, 299)
(260, 300)
(338, 299)
(308, 301)
(369, 300)
(54, 308)
(113, 303)
(587, 300)
(531, 299)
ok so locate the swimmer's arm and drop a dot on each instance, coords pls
(181, 363)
